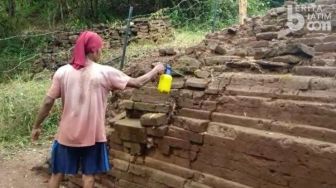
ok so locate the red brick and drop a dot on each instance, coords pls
(197, 95)
(134, 148)
(201, 73)
(114, 146)
(193, 113)
(163, 147)
(120, 155)
(267, 35)
(213, 87)
(259, 44)
(130, 130)
(169, 168)
(126, 104)
(174, 93)
(331, 38)
(193, 184)
(149, 95)
(126, 184)
(209, 105)
(139, 180)
(152, 183)
(157, 131)
(108, 182)
(149, 107)
(114, 137)
(185, 134)
(186, 93)
(195, 125)
(326, 47)
(120, 164)
(138, 170)
(168, 179)
(176, 143)
(216, 182)
(178, 83)
(197, 83)
(154, 119)
(188, 103)
(181, 153)
(177, 132)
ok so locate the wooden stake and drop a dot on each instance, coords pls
(242, 10)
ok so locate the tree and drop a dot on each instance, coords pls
(11, 8)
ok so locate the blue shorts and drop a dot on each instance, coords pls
(68, 160)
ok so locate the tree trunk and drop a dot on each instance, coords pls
(96, 9)
(11, 8)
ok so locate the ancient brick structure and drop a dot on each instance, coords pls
(59, 49)
(255, 109)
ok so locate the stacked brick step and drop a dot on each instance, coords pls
(233, 131)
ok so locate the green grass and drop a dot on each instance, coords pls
(19, 103)
(183, 39)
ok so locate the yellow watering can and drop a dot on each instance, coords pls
(166, 80)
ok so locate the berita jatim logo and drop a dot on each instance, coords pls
(310, 16)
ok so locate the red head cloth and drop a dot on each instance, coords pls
(87, 42)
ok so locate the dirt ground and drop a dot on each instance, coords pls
(23, 168)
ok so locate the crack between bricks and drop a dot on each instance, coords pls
(260, 157)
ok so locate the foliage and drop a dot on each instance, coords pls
(19, 104)
(18, 54)
(73, 13)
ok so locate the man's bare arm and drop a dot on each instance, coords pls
(48, 103)
(142, 80)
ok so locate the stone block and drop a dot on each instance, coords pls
(157, 131)
(154, 119)
(149, 95)
(183, 134)
(187, 64)
(267, 35)
(220, 60)
(209, 105)
(134, 148)
(178, 83)
(289, 59)
(220, 49)
(127, 104)
(169, 168)
(195, 125)
(168, 179)
(326, 47)
(130, 130)
(201, 73)
(197, 83)
(193, 113)
(176, 143)
(150, 107)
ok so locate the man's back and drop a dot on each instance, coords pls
(84, 99)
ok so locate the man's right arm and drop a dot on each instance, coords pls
(142, 80)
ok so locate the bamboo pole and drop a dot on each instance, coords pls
(242, 11)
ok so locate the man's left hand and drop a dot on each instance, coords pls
(35, 134)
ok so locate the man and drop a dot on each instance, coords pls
(83, 86)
